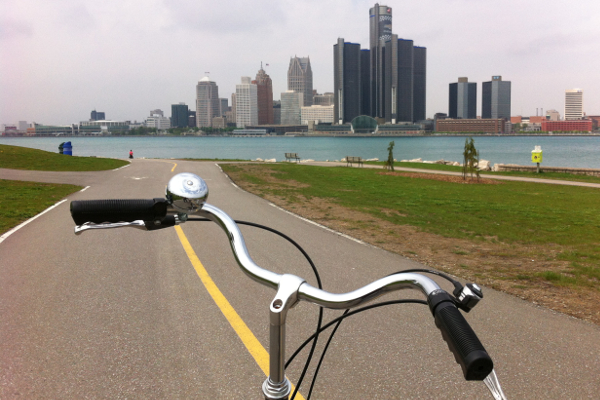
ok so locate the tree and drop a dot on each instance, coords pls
(470, 158)
(389, 164)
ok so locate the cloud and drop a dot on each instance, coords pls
(226, 18)
(10, 29)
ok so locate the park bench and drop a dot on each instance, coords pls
(355, 160)
(292, 156)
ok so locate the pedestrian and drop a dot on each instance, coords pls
(130, 153)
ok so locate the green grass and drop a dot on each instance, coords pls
(512, 212)
(542, 175)
(15, 157)
(20, 201)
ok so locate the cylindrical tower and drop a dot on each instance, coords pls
(380, 24)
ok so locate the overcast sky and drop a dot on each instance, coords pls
(60, 59)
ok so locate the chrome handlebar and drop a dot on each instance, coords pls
(307, 292)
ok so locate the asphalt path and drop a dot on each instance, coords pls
(118, 314)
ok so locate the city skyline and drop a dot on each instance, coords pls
(58, 63)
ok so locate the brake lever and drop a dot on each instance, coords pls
(139, 224)
(166, 222)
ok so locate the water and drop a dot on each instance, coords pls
(558, 151)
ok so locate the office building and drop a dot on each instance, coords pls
(264, 87)
(346, 81)
(208, 104)
(573, 104)
(463, 99)
(290, 107)
(419, 83)
(495, 98)
(471, 125)
(233, 108)
(246, 103)
(552, 115)
(325, 99)
(398, 78)
(179, 115)
(157, 120)
(97, 116)
(316, 114)
(22, 126)
(380, 31)
(277, 112)
(300, 78)
(392, 74)
(191, 118)
(581, 125)
(224, 106)
(365, 82)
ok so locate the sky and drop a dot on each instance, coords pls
(61, 59)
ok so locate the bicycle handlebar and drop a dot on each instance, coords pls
(461, 339)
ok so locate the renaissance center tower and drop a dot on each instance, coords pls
(380, 21)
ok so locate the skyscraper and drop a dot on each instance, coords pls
(264, 88)
(179, 115)
(398, 78)
(380, 31)
(300, 78)
(291, 102)
(463, 99)
(419, 83)
(246, 99)
(573, 104)
(346, 81)
(392, 74)
(208, 104)
(365, 82)
(495, 98)
(224, 106)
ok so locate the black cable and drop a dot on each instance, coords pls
(358, 310)
(314, 337)
(314, 268)
(314, 379)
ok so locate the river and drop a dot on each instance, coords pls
(558, 151)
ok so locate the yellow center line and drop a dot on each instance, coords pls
(260, 354)
(174, 166)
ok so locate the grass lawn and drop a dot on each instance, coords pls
(542, 175)
(558, 223)
(15, 157)
(20, 201)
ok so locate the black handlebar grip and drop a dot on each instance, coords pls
(99, 211)
(460, 337)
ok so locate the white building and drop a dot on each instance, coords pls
(316, 114)
(159, 122)
(573, 104)
(291, 103)
(552, 115)
(208, 104)
(246, 103)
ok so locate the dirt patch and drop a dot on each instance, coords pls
(511, 268)
(445, 178)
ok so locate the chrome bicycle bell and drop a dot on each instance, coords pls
(187, 192)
